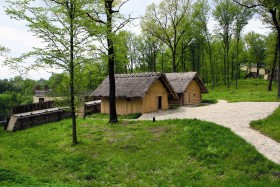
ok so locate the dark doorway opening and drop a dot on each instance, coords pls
(159, 102)
(41, 100)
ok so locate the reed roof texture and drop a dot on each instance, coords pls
(180, 81)
(133, 85)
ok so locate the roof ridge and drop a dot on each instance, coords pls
(144, 74)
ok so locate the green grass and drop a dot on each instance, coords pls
(132, 153)
(248, 90)
(269, 126)
(106, 116)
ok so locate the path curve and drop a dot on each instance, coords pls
(236, 116)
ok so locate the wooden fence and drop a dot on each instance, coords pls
(32, 107)
(18, 122)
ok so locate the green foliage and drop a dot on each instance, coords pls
(3, 50)
(256, 48)
(15, 92)
(248, 90)
(270, 44)
(269, 126)
(133, 153)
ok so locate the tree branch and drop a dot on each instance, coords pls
(124, 23)
(247, 6)
(94, 19)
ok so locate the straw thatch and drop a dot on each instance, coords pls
(180, 81)
(133, 85)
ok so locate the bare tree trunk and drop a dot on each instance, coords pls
(258, 69)
(173, 61)
(72, 93)
(272, 74)
(278, 43)
(276, 20)
(227, 62)
(111, 63)
(225, 68)
(237, 63)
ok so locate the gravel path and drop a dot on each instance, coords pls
(235, 116)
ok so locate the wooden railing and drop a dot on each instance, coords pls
(32, 107)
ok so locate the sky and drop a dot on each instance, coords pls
(15, 36)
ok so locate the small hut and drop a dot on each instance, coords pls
(136, 93)
(188, 86)
(252, 75)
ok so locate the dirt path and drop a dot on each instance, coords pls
(235, 116)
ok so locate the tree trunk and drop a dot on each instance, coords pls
(225, 68)
(111, 63)
(154, 60)
(173, 61)
(273, 69)
(278, 43)
(72, 98)
(227, 61)
(237, 63)
(273, 13)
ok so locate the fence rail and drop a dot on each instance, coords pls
(32, 107)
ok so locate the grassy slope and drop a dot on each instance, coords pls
(269, 126)
(248, 90)
(178, 152)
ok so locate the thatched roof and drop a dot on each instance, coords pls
(133, 85)
(180, 81)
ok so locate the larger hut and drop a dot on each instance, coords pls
(136, 93)
(188, 86)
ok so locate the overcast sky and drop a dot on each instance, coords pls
(15, 36)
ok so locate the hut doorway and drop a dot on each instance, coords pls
(159, 102)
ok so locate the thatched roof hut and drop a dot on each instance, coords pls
(188, 86)
(180, 81)
(137, 93)
(133, 85)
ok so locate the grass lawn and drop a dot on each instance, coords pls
(248, 90)
(132, 153)
(269, 126)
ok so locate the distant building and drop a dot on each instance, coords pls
(42, 94)
(263, 73)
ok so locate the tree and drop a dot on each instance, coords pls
(241, 20)
(168, 22)
(225, 13)
(270, 11)
(57, 24)
(256, 49)
(3, 50)
(202, 11)
(105, 14)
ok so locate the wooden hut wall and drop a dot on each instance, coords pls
(192, 95)
(138, 105)
(105, 109)
(150, 102)
(123, 106)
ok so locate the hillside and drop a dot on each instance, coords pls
(248, 90)
(132, 153)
